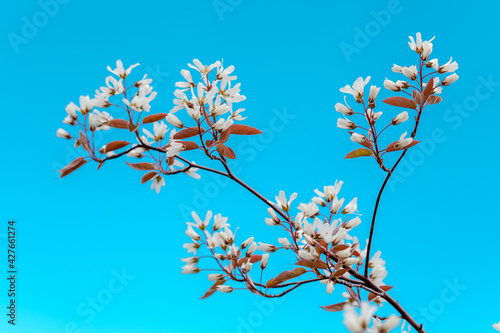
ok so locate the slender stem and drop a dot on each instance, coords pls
(390, 172)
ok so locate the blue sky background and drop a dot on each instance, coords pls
(438, 224)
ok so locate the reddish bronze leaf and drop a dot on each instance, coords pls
(210, 143)
(83, 141)
(187, 133)
(142, 166)
(224, 136)
(154, 117)
(213, 289)
(118, 123)
(148, 176)
(434, 100)
(392, 146)
(401, 102)
(78, 162)
(189, 145)
(255, 258)
(386, 288)
(371, 296)
(115, 145)
(286, 275)
(359, 152)
(243, 130)
(311, 264)
(340, 272)
(225, 151)
(335, 307)
(417, 98)
(340, 247)
(428, 89)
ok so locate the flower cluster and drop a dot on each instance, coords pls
(318, 235)
(208, 103)
(89, 119)
(421, 94)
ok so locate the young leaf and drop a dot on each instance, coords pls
(335, 307)
(213, 289)
(434, 100)
(428, 89)
(142, 166)
(224, 136)
(154, 117)
(392, 146)
(78, 162)
(243, 130)
(189, 145)
(115, 145)
(287, 275)
(83, 141)
(118, 123)
(187, 133)
(225, 151)
(311, 264)
(340, 272)
(402, 102)
(417, 98)
(359, 152)
(148, 176)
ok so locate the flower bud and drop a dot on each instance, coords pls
(310, 240)
(62, 133)
(449, 79)
(215, 277)
(225, 289)
(246, 243)
(267, 247)
(251, 249)
(330, 286)
(263, 261)
(285, 242)
(350, 261)
(353, 223)
(346, 124)
(402, 117)
(306, 255)
(339, 107)
(389, 85)
(173, 120)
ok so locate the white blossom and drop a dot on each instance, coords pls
(282, 201)
(357, 89)
(120, 70)
(402, 117)
(449, 79)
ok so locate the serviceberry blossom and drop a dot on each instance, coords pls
(357, 89)
(120, 70)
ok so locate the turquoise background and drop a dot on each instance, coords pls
(438, 224)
